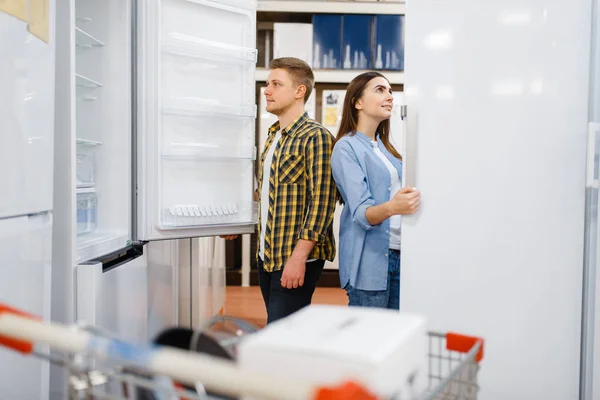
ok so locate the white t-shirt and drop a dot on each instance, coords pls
(395, 220)
(264, 194)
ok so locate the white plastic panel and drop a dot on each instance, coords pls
(115, 300)
(216, 192)
(103, 120)
(220, 21)
(27, 115)
(498, 96)
(197, 111)
(25, 251)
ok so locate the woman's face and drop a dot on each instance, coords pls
(376, 101)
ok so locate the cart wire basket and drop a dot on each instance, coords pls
(103, 367)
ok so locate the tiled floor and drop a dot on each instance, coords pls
(247, 302)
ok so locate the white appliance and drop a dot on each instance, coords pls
(26, 164)
(130, 188)
(496, 142)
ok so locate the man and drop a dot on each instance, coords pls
(297, 194)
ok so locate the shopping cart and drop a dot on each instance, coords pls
(104, 367)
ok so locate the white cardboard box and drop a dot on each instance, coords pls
(384, 350)
(293, 40)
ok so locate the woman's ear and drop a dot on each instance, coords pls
(358, 104)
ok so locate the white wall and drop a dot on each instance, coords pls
(497, 93)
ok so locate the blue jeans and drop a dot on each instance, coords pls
(389, 298)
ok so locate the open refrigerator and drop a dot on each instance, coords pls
(155, 146)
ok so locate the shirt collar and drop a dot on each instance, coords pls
(365, 138)
(291, 128)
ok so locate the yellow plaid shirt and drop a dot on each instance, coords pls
(302, 192)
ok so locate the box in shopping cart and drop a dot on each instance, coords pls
(382, 349)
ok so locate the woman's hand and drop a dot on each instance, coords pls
(406, 201)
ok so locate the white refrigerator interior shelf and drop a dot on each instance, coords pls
(87, 211)
(85, 156)
(84, 39)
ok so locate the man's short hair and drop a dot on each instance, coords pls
(299, 70)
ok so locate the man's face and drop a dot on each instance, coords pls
(280, 92)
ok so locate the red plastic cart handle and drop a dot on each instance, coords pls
(21, 346)
(463, 344)
(346, 391)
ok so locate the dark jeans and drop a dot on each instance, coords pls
(281, 302)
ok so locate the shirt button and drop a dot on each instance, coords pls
(386, 254)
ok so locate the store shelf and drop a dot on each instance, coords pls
(338, 75)
(341, 7)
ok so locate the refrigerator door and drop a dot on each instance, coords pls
(196, 107)
(496, 145)
(25, 251)
(27, 115)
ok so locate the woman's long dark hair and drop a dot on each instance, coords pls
(350, 113)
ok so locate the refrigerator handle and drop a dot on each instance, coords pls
(122, 256)
(409, 147)
(591, 162)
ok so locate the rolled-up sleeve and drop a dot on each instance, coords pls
(321, 186)
(351, 181)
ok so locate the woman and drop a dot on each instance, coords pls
(367, 170)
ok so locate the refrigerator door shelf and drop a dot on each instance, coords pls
(186, 216)
(194, 47)
(206, 19)
(183, 105)
(202, 151)
(208, 135)
(205, 183)
(229, 83)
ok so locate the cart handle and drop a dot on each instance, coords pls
(22, 346)
(464, 344)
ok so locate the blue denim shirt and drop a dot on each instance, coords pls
(363, 181)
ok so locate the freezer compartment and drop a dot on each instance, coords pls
(207, 78)
(86, 162)
(208, 135)
(206, 192)
(87, 211)
(207, 19)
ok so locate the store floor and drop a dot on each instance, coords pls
(247, 302)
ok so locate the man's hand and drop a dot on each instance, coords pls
(229, 237)
(293, 273)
